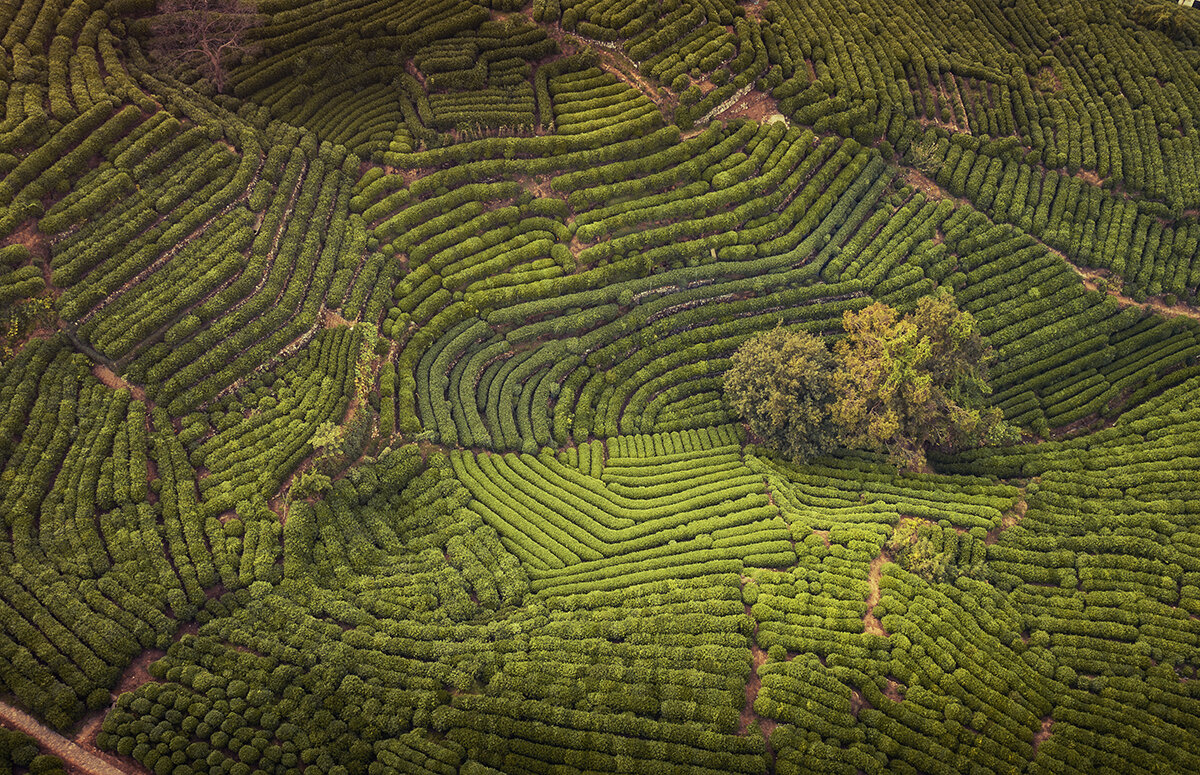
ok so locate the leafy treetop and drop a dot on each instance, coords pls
(895, 383)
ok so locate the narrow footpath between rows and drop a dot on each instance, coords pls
(69, 752)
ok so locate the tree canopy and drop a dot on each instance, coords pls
(203, 33)
(781, 383)
(895, 383)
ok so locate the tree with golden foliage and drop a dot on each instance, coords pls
(907, 383)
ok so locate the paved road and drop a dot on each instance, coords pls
(57, 744)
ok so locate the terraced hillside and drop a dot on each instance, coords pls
(367, 416)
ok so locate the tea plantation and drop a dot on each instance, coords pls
(365, 415)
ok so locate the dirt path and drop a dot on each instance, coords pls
(758, 658)
(110, 378)
(871, 623)
(1012, 517)
(623, 67)
(1155, 305)
(75, 756)
(1042, 734)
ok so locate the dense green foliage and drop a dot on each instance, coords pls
(896, 384)
(376, 402)
(781, 384)
(20, 753)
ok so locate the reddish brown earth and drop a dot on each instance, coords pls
(38, 245)
(928, 186)
(858, 702)
(754, 10)
(332, 319)
(110, 378)
(755, 104)
(871, 623)
(1042, 734)
(135, 675)
(758, 658)
(79, 759)
(538, 185)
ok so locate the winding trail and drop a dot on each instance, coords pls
(74, 755)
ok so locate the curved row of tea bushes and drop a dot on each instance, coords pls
(1065, 353)
(1144, 242)
(480, 385)
(578, 532)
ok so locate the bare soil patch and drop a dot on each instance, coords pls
(332, 319)
(1042, 734)
(110, 378)
(37, 243)
(871, 623)
(858, 702)
(756, 105)
(138, 672)
(928, 186)
(758, 658)
(754, 10)
(1008, 520)
(539, 186)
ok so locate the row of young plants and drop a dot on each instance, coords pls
(160, 321)
(358, 110)
(577, 533)
(481, 78)
(19, 750)
(706, 52)
(1065, 353)
(183, 182)
(257, 444)
(1058, 96)
(590, 99)
(475, 77)
(378, 572)
(241, 695)
(927, 704)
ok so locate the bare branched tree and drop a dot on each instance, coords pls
(204, 33)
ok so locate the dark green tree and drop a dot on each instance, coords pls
(781, 384)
